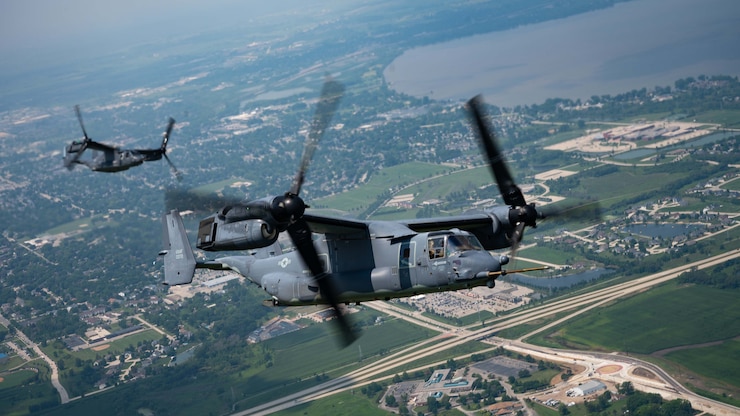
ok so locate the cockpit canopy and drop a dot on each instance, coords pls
(443, 245)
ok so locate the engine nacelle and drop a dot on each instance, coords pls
(215, 234)
(495, 237)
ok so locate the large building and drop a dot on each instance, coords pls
(589, 387)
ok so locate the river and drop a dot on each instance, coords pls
(633, 45)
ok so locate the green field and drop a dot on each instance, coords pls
(347, 403)
(440, 187)
(16, 378)
(718, 362)
(727, 118)
(291, 349)
(691, 331)
(668, 316)
(327, 357)
(26, 389)
(733, 186)
(546, 254)
(83, 224)
(119, 346)
(613, 188)
(389, 178)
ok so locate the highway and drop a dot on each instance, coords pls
(576, 305)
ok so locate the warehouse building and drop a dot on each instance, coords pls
(589, 387)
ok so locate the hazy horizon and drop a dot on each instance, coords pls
(46, 32)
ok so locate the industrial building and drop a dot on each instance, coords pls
(589, 387)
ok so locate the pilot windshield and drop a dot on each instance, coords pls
(457, 243)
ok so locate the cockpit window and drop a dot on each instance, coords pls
(436, 247)
(462, 243)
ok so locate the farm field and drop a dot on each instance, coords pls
(384, 180)
(328, 359)
(690, 330)
(704, 314)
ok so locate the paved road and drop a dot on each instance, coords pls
(666, 386)
(63, 395)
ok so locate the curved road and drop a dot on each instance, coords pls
(63, 395)
(383, 368)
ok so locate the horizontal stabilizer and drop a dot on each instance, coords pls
(179, 262)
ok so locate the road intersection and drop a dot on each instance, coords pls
(383, 369)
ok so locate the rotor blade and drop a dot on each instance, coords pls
(585, 211)
(331, 93)
(301, 236)
(70, 161)
(177, 173)
(166, 135)
(509, 191)
(199, 202)
(79, 118)
(516, 238)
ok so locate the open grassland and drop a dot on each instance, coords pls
(718, 362)
(346, 403)
(326, 356)
(12, 361)
(613, 188)
(83, 224)
(649, 117)
(542, 410)
(21, 390)
(728, 203)
(691, 331)
(523, 329)
(290, 350)
(733, 186)
(300, 360)
(380, 182)
(727, 118)
(563, 136)
(668, 316)
(16, 378)
(442, 186)
(545, 254)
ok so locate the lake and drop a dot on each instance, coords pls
(642, 43)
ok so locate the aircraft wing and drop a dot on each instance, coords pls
(99, 146)
(338, 226)
(179, 262)
(485, 226)
(466, 222)
(347, 229)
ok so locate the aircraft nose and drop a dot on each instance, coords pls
(475, 262)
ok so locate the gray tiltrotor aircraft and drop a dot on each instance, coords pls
(108, 158)
(340, 260)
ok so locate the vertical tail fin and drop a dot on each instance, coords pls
(179, 262)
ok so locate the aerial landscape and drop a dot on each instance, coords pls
(617, 122)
